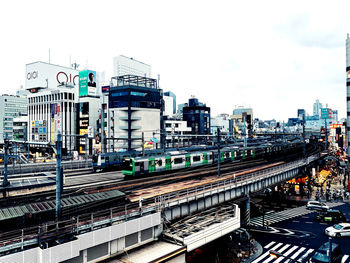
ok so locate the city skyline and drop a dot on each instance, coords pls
(226, 55)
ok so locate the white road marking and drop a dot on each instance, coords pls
(267, 253)
(270, 244)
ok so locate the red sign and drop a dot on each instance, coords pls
(334, 126)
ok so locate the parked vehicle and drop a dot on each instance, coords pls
(316, 205)
(334, 216)
(338, 230)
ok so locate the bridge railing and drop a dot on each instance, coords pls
(208, 189)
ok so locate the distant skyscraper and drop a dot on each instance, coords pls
(317, 108)
(301, 113)
(171, 94)
(240, 110)
(128, 66)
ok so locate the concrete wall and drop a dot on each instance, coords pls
(96, 245)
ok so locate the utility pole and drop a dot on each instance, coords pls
(143, 144)
(219, 154)
(325, 127)
(102, 128)
(245, 131)
(330, 250)
(5, 182)
(58, 175)
(304, 143)
(86, 149)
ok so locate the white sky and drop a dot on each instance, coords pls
(275, 56)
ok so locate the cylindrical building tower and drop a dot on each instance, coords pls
(348, 92)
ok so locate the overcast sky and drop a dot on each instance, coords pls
(271, 55)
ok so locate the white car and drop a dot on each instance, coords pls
(338, 230)
(315, 205)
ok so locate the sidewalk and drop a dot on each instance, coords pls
(259, 251)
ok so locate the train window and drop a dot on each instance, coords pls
(188, 159)
(168, 161)
(196, 158)
(127, 165)
(160, 162)
(210, 157)
(227, 155)
(205, 157)
(177, 160)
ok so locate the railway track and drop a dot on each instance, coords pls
(196, 175)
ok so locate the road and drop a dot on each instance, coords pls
(299, 237)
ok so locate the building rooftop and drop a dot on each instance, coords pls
(134, 80)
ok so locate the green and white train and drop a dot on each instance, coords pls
(135, 166)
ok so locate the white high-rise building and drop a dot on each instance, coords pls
(168, 105)
(123, 65)
(317, 108)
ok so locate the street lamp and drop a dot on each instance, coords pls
(276, 254)
(266, 192)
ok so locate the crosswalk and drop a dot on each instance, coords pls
(297, 253)
(275, 217)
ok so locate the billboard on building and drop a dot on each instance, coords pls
(105, 89)
(326, 113)
(45, 75)
(39, 130)
(87, 83)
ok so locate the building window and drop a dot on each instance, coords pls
(135, 93)
(117, 94)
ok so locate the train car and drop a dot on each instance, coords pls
(134, 166)
(114, 160)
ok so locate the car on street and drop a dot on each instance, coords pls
(322, 254)
(316, 205)
(333, 216)
(338, 230)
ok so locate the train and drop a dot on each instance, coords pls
(114, 160)
(136, 166)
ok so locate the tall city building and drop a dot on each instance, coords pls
(63, 100)
(317, 108)
(123, 65)
(197, 115)
(238, 116)
(168, 105)
(51, 102)
(135, 105)
(173, 96)
(301, 114)
(240, 110)
(10, 108)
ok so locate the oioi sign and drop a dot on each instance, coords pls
(44, 75)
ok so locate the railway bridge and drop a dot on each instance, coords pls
(154, 217)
